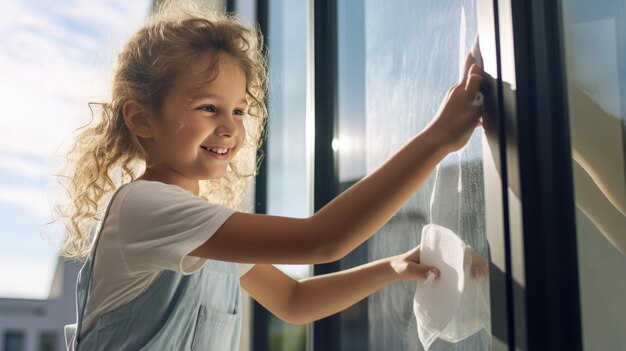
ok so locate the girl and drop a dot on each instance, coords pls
(187, 106)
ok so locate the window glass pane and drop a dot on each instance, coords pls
(595, 47)
(397, 61)
(14, 341)
(48, 341)
(287, 161)
(288, 172)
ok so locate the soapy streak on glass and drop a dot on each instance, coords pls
(412, 59)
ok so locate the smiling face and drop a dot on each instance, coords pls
(199, 133)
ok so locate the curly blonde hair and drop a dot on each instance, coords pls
(106, 154)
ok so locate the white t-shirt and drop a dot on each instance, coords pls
(151, 226)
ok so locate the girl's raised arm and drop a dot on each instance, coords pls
(360, 211)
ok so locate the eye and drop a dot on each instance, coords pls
(239, 112)
(207, 108)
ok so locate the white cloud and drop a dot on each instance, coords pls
(22, 167)
(24, 276)
(33, 200)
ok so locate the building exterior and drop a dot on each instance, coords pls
(37, 325)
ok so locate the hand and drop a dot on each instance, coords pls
(457, 116)
(407, 266)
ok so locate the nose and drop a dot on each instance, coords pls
(227, 126)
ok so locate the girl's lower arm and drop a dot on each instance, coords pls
(324, 295)
(366, 206)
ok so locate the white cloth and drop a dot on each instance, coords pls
(453, 306)
(151, 226)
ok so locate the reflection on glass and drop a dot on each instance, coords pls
(397, 60)
(594, 37)
(287, 193)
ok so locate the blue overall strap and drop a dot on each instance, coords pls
(83, 282)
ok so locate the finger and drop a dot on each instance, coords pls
(421, 271)
(474, 69)
(473, 85)
(414, 255)
(468, 64)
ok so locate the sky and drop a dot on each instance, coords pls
(55, 57)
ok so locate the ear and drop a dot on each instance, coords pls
(138, 119)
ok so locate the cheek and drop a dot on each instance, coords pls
(191, 133)
(241, 137)
(242, 133)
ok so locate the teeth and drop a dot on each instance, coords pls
(219, 151)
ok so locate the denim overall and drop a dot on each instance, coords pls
(200, 311)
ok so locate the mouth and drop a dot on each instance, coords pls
(219, 152)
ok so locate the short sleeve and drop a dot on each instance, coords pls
(243, 268)
(159, 224)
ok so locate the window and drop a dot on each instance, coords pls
(396, 62)
(288, 150)
(14, 341)
(48, 341)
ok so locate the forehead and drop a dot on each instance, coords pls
(211, 72)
